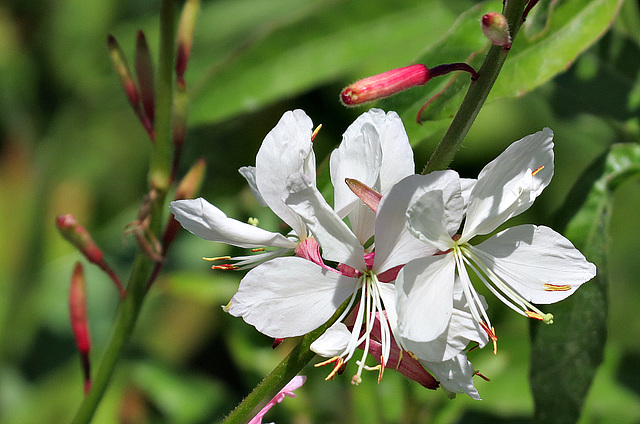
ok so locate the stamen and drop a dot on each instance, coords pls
(258, 249)
(491, 332)
(535, 171)
(533, 315)
(225, 267)
(554, 287)
(339, 363)
(219, 258)
(315, 132)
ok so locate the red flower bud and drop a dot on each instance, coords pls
(79, 321)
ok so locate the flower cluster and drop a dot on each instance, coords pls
(402, 264)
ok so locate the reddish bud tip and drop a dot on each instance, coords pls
(79, 237)
(496, 29)
(276, 343)
(385, 84)
(369, 196)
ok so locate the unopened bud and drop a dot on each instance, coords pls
(396, 80)
(369, 196)
(122, 69)
(79, 237)
(79, 321)
(496, 29)
(75, 234)
(191, 182)
(185, 36)
(385, 84)
(144, 71)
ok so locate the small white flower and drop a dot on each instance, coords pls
(286, 149)
(520, 265)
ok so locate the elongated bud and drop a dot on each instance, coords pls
(144, 70)
(79, 237)
(124, 75)
(385, 84)
(496, 29)
(185, 36)
(396, 80)
(369, 196)
(75, 234)
(191, 182)
(121, 67)
(79, 321)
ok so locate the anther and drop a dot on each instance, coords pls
(535, 171)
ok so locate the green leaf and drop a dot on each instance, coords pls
(538, 55)
(566, 355)
(293, 46)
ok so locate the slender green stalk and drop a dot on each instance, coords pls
(288, 368)
(129, 310)
(476, 95)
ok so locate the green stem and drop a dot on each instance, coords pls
(159, 170)
(288, 368)
(476, 95)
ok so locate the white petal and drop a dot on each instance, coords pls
(335, 238)
(455, 375)
(462, 329)
(288, 297)
(285, 150)
(333, 342)
(424, 297)
(436, 216)
(397, 155)
(506, 186)
(359, 156)
(395, 245)
(249, 174)
(208, 222)
(528, 257)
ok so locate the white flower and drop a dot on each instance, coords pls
(286, 149)
(521, 265)
(288, 297)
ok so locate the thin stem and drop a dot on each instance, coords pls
(476, 95)
(288, 368)
(129, 310)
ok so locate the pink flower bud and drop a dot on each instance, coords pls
(79, 321)
(496, 29)
(385, 84)
(396, 80)
(369, 196)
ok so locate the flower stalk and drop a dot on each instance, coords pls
(129, 309)
(476, 94)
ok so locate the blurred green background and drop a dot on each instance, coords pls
(69, 143)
